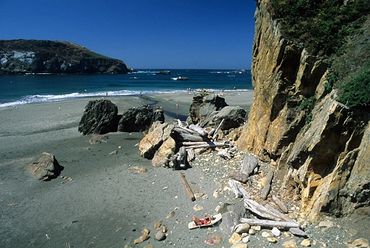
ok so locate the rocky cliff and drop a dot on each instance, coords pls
(44, 56)
(321, 145)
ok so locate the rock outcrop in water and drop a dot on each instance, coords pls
(322, 146)
(45, 56)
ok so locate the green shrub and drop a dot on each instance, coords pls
(355, 91)
(307, 104)
(320, 25)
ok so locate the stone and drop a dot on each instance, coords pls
(240, 177)
(165, 151)
(138, 119)
(160, 235)
(46, 168)
(359, 243)
(276, 232)
(231, 217)
(144, 236)
(297, 232)
(155, 137)
(290, 244)
(248, 164)
(306, 243)
(245, 239)
(266, 234)
(272, 239)
(233, 116)
(203, 104)
(235, 238)
(326, 224)
(256, 228)
(242, 228)
(99, 117)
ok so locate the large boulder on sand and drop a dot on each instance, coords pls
(46, 168)
(203, 105)
(165, 151)
(233, 116)
(139, 119)
(157, 134)
(99, 117)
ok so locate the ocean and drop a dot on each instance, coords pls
(26, 89)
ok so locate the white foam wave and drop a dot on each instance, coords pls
(53, 98)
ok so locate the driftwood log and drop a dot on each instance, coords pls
(216, 130)
(183, 134)
(270, 223)
(198, 129)
(187, 188)
(280, 204)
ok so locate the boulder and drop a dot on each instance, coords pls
(165, 151)
(155, 137)
(139, 119)
(231, 218)
(233, 116)
(203, 105)
(99, 117)
(46, 168)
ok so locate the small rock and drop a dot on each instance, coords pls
(157, 225)
(198, 195)
(137, 170)
(213, 239)
(160, 235)
(144, 236)
(297, 232)
(326, 224)
(252, 231)
(256, 228)
(290, 244)
(46, 168)
(276, 232)
(197, 207)
(359, 243)
(245, 239)
(242, 228)
(235, 238)
(115, 152)
(306, 243)
(272, 239)
(266, 234)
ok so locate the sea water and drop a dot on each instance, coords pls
(24, 89)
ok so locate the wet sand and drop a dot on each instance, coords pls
(103, 205)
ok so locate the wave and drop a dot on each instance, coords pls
(54, 98)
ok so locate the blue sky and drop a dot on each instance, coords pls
(144, 33)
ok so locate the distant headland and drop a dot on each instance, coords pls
(56, 57)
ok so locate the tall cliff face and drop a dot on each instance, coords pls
(43, 56)
(320, 143)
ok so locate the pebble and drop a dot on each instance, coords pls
(252, 231)
(245, 239)
(326, 224)
(272, 239)
(197, 207)
(306, 243)
(266, 234)
(160, 235)
(359, 243)
(276, 232)
(242, 228)
(235, 238)
(256, 228)
(290, 244)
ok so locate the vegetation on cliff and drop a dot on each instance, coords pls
(337, 31)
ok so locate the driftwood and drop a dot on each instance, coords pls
(280, 204)
(192, 143)
(266, 189)
(191, 155)
(182, 134)
(261, 210)
(270, 223)
(198, 129)
(187, 188)
(218, 127)
(209, 145)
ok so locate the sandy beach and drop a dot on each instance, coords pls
(96, 201)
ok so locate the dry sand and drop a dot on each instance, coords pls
(103, 205)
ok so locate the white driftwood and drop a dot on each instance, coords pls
(209, 145)
(266, 189)
(191, 155)
(270, 223)
(218, 127)
(198, 129)
(192, 143)
(184, 135)
(280, 204)
(235, 188)
(179, 123)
